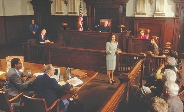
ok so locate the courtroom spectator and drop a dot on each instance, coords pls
(49, 89)
(153, 46)
(158, 105)
(169, 75)
(105, 27)
(33, 29)
(14, 83)
(111, 51)
(42, 37)
(142, 35)
(170, 94)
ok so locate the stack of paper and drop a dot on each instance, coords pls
(75, 81)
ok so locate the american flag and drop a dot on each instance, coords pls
(80, 20)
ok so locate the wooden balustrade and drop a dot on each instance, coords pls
(152, 63)
(113, 103)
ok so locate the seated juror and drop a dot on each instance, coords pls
(42, 37)
(14, 83)
(49, 89)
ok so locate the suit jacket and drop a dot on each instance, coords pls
(40, 38)
(48, 88)
(113, 49)
(33, 27)
(105, 29)
(14, 83)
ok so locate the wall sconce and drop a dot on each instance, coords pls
(65, 2)
(151, 1)
(64, 24)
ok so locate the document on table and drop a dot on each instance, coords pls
(75, 81)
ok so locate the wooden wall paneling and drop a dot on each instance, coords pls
(108, 13)
(97, 10)
(74, 58)
(14, 30)
(176, 34)
(169, 33)
(180, 14)
(129, 24)
(2, 31)
(156, 26)
(26, 21)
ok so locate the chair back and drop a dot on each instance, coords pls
(34, 104)
(5, 105)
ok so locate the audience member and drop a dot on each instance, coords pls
(42, 37)
(169, 64)
(14, 83)
(33, 29)
(49, 89)
(105, 27)
(158, 105)
(169, 75)
(142, 35)
(153, 46)
(170, 94)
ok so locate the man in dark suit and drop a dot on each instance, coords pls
(105, 27)
(49, 89)
(14, 83)
(33, 29)
(42, 37)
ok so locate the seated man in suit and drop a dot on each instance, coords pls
(105, 27)
(14, 83)
(42, 37)
(49, 89)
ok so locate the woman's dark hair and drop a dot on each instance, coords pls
(110, 37)
(14, 61)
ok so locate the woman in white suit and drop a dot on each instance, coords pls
(111, 51)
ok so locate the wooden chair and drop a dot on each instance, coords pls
(5, 103)
(38, 104)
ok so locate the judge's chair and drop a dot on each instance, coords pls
(38, 105)
(6, 104)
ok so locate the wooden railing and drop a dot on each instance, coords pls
(74, 57)
(122, 93)
(152, 63)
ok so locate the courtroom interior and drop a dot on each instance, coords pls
(109, 55)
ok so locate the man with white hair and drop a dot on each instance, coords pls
(171, 96)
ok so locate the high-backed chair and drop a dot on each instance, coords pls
(5, 103)
(38, 105)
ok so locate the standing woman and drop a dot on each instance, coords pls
(111, 51)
